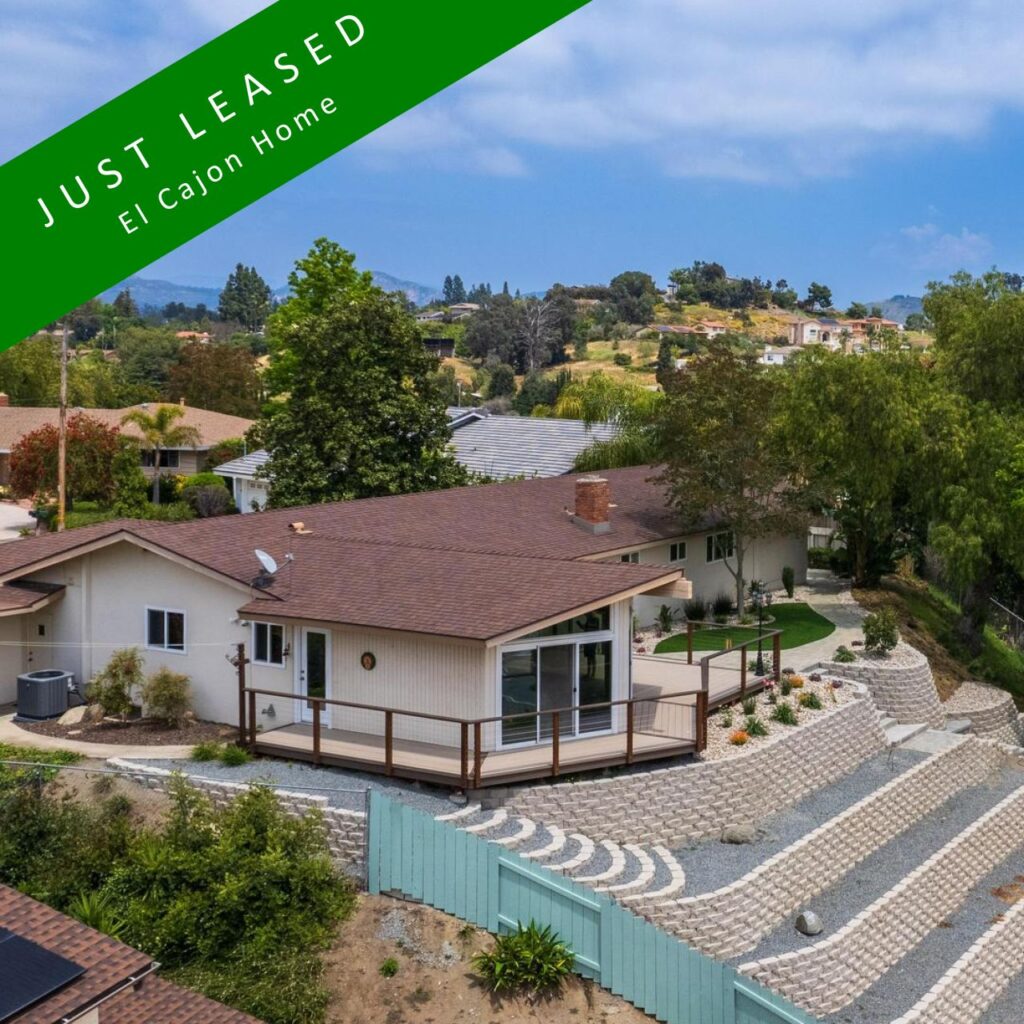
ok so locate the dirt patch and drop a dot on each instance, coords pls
(434, 982)
(1012, 893)
(92, 788)
(133, 732)
(948, 672)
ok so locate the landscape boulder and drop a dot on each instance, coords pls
(739, 835)
(808, 923)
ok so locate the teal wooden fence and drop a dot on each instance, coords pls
(413, 856)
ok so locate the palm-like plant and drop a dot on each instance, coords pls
(160, 431)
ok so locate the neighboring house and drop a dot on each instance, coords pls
(443, 348)
(56, 969)
(826, 332)
(778, 356)
(213, 427)
(713, 328)
(201, 336)
(430, 316)
(425, 618)
(497, 447)
(463, 309)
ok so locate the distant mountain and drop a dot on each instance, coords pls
(149, 292)
(899, 307)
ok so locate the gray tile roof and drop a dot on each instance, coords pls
(246, 466)
(502, 447)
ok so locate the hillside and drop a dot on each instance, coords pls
(899, 307)
(156, 293)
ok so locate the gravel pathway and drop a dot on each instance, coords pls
(711, 864)
(877, 874)
(914, 976)
(343, 788)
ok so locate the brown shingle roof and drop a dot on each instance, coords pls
(109, 965)
(473, 562)
(213, 427)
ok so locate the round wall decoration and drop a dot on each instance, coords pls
(368, 661)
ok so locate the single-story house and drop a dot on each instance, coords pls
(778, 355)
(497, 447)
(214, 428)
(54, 968)
(443, 348)
(481, 632)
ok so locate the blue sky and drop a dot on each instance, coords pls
(873, 146)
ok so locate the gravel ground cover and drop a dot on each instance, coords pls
(912, 978)
(711, 864)
(343, 788)
(877, 874)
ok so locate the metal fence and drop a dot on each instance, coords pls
(413, 856)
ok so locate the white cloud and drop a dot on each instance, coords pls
(929, 248)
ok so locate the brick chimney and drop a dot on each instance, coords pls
(5, 400)
(593, 500)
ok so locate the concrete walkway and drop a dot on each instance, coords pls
(13, 518)
(831, 598)
(11, 733)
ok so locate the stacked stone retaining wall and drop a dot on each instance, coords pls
(346, 830)
(991, 712)
(671, 805)
(829, 975)
(901, 684)
(732, 920)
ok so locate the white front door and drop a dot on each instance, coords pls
(314, 668)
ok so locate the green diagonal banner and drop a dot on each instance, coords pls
(225, 126)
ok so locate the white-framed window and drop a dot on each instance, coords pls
(268, 644)
(165, 630)
(633, 557)
(721, 546)
(677, 552)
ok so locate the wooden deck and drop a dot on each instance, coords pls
(433, 763)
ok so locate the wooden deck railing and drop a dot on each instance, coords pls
(684, 723)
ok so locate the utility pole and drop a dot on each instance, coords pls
(62, 434)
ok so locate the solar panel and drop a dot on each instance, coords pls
(29, 973)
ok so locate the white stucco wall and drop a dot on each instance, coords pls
(248, 491)
(13, 634)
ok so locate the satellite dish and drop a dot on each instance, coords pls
(268, 563)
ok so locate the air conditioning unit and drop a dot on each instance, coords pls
(43, 694)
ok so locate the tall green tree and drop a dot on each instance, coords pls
(458, 290)
(219, 377)
(721, 462)
(161, 430)
(30, 371)
(124, 306)
(245, 299)
(634, 295)
(356, 411)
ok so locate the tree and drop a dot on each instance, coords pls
(161, 430)
(458, 290)
(246, 299)
(876, 312)
(130, 484)
(355, 412)
(124, 306)
(146, 355)
(30, 371)
(540, 392)
(857, 311)
(862, 429)
(784, 296)
(448, 291)
(91, 448)
(218, 377)
(818, 297)
(633, 295)
(502, 383)
(537, 334)
(917, 322)
(495, 331)
(666, 355)
(721, 461)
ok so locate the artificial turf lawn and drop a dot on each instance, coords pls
(799, 623)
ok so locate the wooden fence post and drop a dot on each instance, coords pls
(777, 656)
(630, 711)
(556, 735)
(702, 722)
(389, 742)
(689, 643)
(743, 672)
(252, 720)
(478, 754)
(464, 750)
(240, 662)
(316, 732)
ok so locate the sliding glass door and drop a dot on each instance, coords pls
(570, 675)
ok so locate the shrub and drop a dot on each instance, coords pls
(755, 727)
(721, 605)
(739, 738)
(665, 619)
(785, 713)
(788, 580)
(171, 512)
(844, 655)
(206, 751)
(622, 359)
(881, 632)
(696, 609)
(389, 968)
(94, 910)
(203, 480)
(795, 682)
(810, 700)
(785, 687)
(726, 718)
(233, 756)
(531, 958)
(749, 705)
(209, 501)
(113, 688)
(167, 695)
(818, 558)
